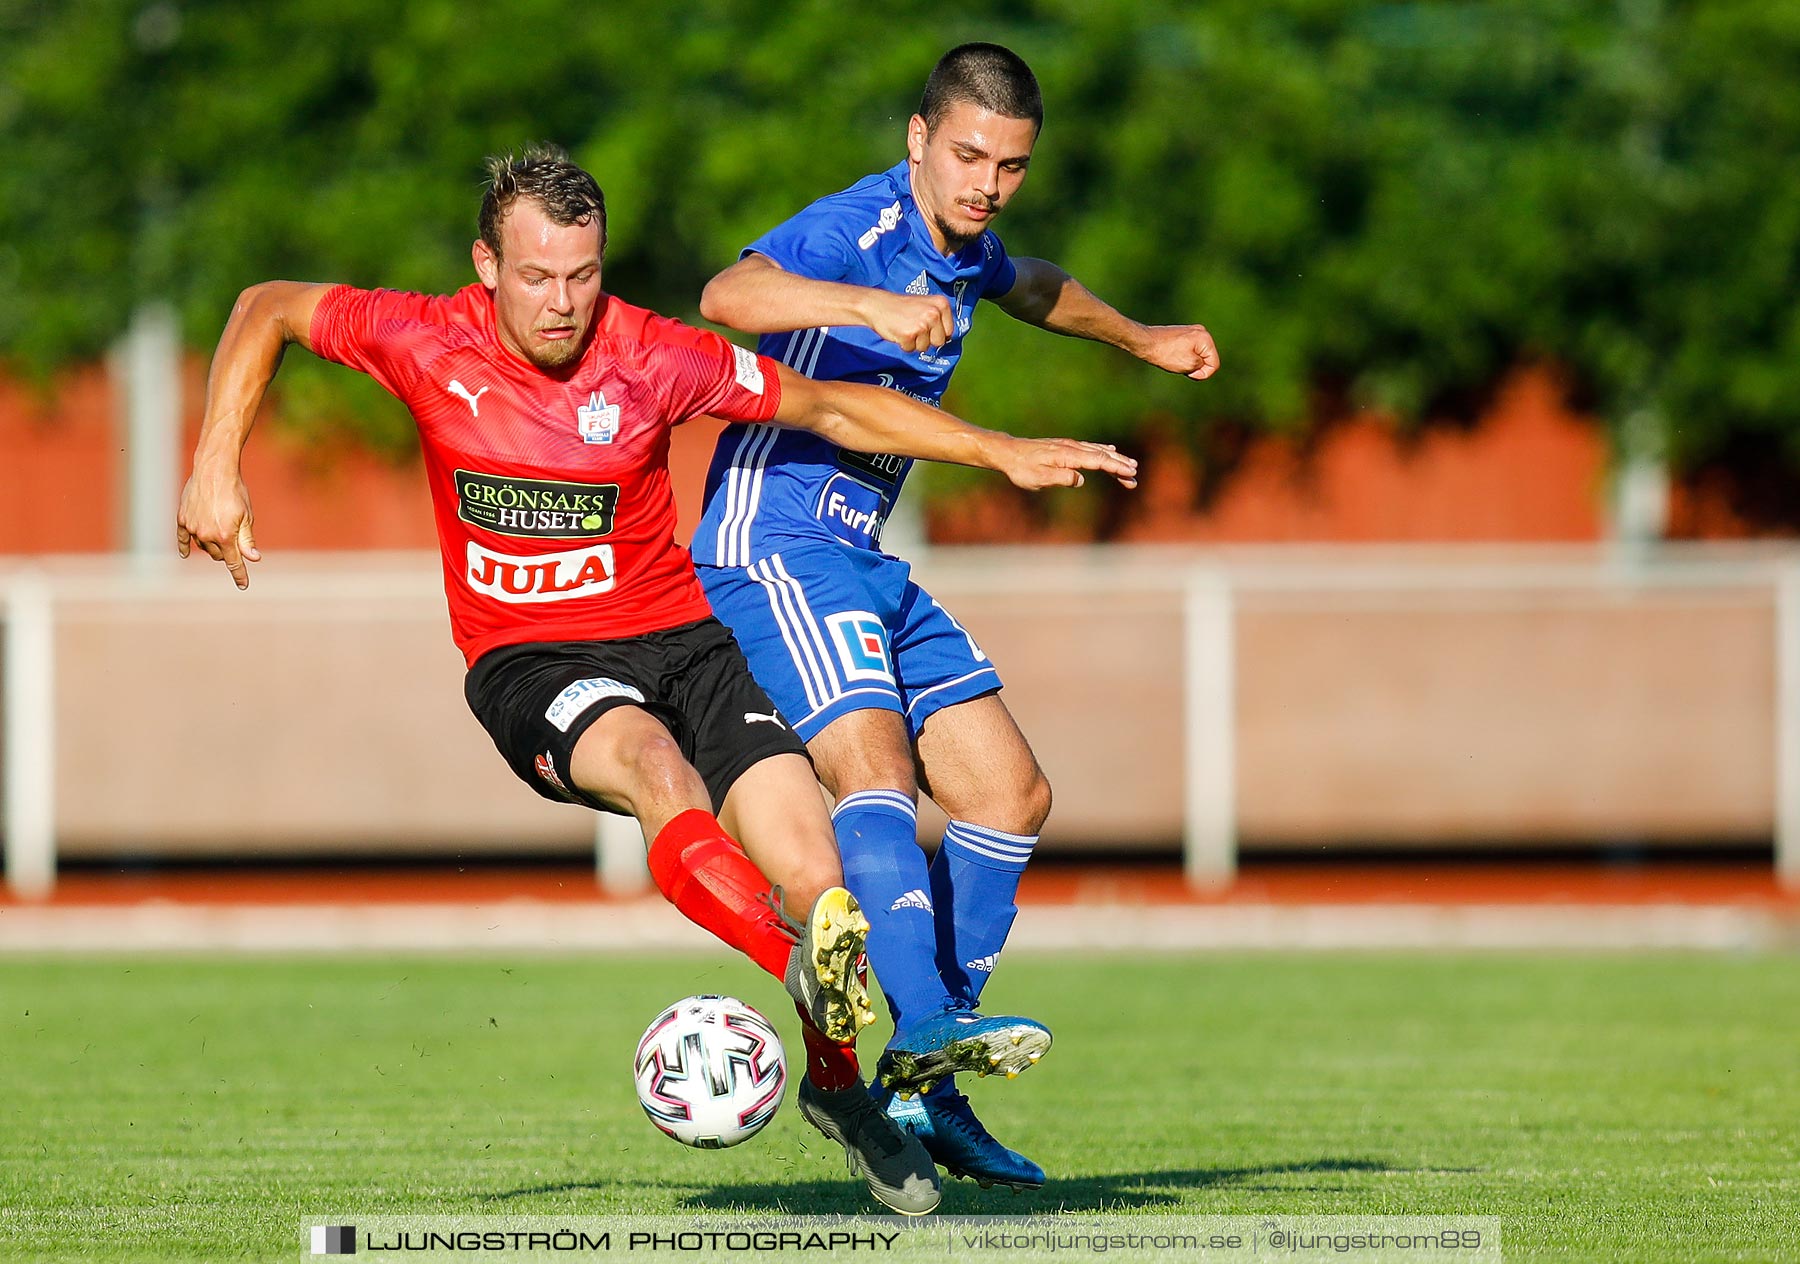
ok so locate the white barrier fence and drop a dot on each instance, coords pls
(1209, 593)
(27, 700)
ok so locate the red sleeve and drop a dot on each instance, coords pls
(707, 376)
(365, 330)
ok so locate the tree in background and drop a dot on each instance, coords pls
(1390, 203)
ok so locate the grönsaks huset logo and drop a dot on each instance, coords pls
(536, 507)
(334, 1239)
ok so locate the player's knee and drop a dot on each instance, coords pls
(658, 766)
(868, 749)
(807, 867)
(1030, 806)
(877, 767)
(1042, 801)
(642, 771)
(810, 879)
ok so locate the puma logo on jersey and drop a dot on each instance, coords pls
(984, 964)
(914, 898)
(457, 389)
(759, 717)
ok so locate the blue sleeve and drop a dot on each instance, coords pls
(815, 243)
(997, 271)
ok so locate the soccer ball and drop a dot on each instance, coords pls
(710, 1071)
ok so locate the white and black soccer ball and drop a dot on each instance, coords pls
(710, 1071)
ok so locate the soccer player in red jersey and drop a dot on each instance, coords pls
(544, 407)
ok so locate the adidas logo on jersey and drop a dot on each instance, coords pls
(919, 285)
(984, 964)
(914, 898)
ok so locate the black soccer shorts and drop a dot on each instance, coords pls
(536, 700)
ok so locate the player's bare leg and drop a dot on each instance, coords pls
(865, 750)
(628, 758)
(775, 811)
(976, 765)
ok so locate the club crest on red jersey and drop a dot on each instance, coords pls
(597, 421)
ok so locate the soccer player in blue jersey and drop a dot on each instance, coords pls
(879, 284)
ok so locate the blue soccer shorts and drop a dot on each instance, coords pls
(829, 630)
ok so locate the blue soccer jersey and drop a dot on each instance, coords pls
(770, 487)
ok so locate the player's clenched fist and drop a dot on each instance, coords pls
(914, 322)
(1185, 349)
(1034, 464)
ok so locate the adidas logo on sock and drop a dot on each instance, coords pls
(914, 898)
(918, 285)
(984, 964)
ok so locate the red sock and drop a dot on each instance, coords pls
(706, 875)
(829, 1065)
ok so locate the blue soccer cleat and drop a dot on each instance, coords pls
(957, 1142)
(959, 1039)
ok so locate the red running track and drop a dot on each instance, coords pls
(1749, 884)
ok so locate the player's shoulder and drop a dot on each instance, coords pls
(403, 331)
(878, 188)
(631, 325)
(868, 199)
(470, 308)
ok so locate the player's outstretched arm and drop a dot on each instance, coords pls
(873, 419)
(1046, 296)
(756, 295)
(215, 505)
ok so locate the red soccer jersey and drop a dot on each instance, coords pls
(554, 511)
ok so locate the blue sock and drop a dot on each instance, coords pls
(974, 879)
(877, 832)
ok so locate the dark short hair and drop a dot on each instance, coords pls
(544, 174)
(992, 77)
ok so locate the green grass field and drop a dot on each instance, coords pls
(1643, 1107)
